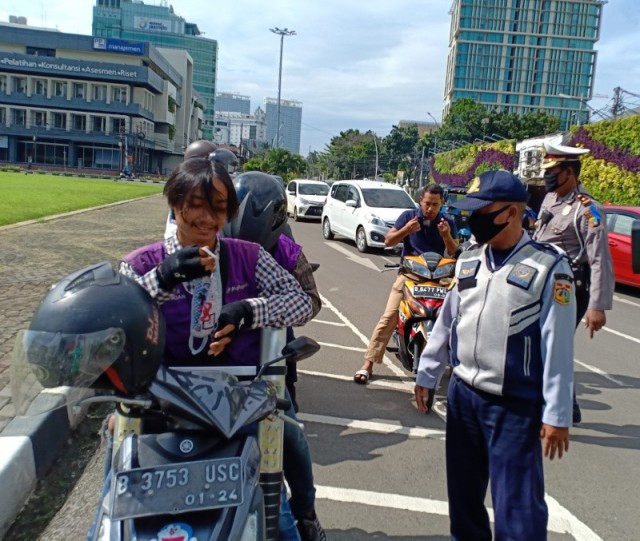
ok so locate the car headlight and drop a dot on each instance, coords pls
(304, 201)
(375, 220)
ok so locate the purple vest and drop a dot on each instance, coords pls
(238, 261)
(286, 252)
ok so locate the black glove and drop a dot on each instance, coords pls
(237, 313)
(181, 266)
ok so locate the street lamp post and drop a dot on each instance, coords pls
(282, 33)
(375, 142)
(434, 119)
(582, 102)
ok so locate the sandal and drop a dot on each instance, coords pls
(362, 376)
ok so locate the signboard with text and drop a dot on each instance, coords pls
(118, 46)
(67, 67)
(152, 24)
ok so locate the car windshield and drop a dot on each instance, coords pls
(313, 189)
(381, 198)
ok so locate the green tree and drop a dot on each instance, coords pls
(403, 151)
(351, 155)
(278, 161)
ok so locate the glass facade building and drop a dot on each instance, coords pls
(290, 123)
(233, 103)
(524, 55)
(160, 25)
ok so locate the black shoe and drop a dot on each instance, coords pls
(310, 529)
(577, 414)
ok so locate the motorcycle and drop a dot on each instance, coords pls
(427, 278)
(189, 464)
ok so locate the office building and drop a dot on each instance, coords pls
(290, 123)
(160, 25)
(239, 130)
(75, 101)
(524, 55)
(233, 103)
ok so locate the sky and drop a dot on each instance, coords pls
(353, 64)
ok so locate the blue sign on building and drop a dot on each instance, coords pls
(118, 46)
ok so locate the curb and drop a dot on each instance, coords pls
(29, 446)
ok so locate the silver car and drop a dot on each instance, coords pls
(363, 211)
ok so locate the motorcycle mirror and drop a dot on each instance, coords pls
(296, 350)
(300, 348)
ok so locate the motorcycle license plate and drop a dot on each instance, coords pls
(177, 488)
(430, 292)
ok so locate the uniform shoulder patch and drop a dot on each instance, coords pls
(591, 213)
(562, 289)
(522, 275)
(468, 269)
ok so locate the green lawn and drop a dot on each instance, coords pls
(33, 196)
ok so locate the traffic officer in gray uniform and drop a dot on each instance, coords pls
(572, 220)
(503, 326)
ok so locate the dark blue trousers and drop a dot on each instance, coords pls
(492, 438)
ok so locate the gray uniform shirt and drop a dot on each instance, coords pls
(556, 322)
(584, 240)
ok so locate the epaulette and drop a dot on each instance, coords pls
(592, 213)
(552, 249)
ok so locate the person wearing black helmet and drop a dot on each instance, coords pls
(200, 149)
(215, 294)
(262, 218)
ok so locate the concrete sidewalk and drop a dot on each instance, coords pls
(34, 256)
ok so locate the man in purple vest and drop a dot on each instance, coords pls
(215, 293)
(262, 218)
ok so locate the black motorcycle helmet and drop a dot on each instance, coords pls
(96, 328)
(262, 216)
(200, 149)
(225, 157)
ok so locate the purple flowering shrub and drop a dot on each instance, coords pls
(486, 159)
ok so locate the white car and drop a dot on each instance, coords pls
(363, 211)
(305, 198)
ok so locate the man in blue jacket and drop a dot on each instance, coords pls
(504, 328)
(425, 229)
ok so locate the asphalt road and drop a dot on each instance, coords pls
(379, 465)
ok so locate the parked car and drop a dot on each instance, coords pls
(305, 198)
(363, 211)
(619, 223)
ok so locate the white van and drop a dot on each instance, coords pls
(305, 198)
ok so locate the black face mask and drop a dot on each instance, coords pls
(551, 183)
(482, 226)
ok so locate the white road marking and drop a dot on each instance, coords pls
(602, 373)
(347, 348)
(621, 335)
(625, 301)
(560, 520)
(324, 322)
(396, 371)
(352, 257)
(376, 382)
(373, 426)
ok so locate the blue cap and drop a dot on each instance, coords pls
(493, 186)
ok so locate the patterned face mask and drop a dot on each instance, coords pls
(206, 304)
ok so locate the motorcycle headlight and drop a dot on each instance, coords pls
(446, 271)
(373, 219)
